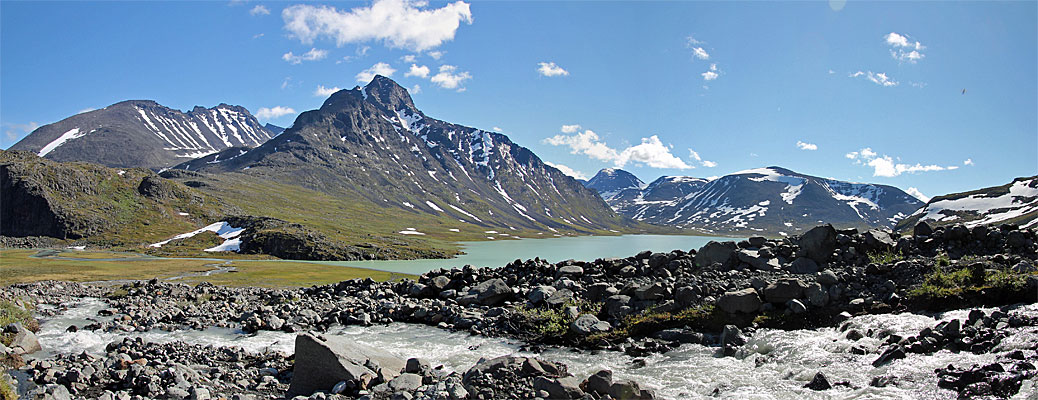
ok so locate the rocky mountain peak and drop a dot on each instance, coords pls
(611, 181)
(388, 93)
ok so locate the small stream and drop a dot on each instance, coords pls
(789, 359)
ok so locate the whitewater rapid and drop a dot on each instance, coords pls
(775, 364)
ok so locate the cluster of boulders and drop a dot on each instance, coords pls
(176, 370)
(334, 366)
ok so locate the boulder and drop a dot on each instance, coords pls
(322, 362)
(598, 383)
(878, 240)
(744, 301)
(922, 229)
(654, 291)
(492, 292)
(25, 339)
(540, 293)
(818, 243)
(715, 252)
(569, 270)
(757, 260)
(406, 382)
(803, 265)
(587, 324)
(559, 388)
(784, 290)
(560, 297)
(797, 307)
(819, 382)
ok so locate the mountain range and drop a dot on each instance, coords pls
(367, 170)
(770, 200)
(1012, 203)
(143, 133)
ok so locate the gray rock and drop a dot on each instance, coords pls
(440, 282)
(817, 295)
(819, 382)
(784, 290)
(625, 390)
(559, 298)
(600, 382)
(417, 366)
(744, 301)
(654, 291)
(614, 305)
(827, 277)
(405, 382)
(877, 240)
(588, 324)
(922, 229)
(732, 336)
(26, 340)
(540, 293)
(715, 252)
(818, 243)
(569, 270)
(322, 362)
(559, 388)
(200, 393)
(803, 265)
(48, 392)
(492, 292)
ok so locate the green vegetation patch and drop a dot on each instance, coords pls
(946, 282)
(651, 320)
(885, 257)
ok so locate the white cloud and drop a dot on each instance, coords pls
(570, 128)
(806, 146)
(568, 171)
(903, 49)
(711, 74)
(969, 161)
(272, 113)
(415, 89)
(397, 23)
(878, 78)
(322, 91)
(550, 69)
(695, 157)
(312, 55)
(497, 129)
(381, 68)
(885, 166)
(257, 36)
(447, 78)
(419, 71)
(698, 52)
(410, 58)
(651, 152)
(436, 55)
(259, 10)
(16, 131)
(285, 84)
(917, 194)
(692, 41)
(831, 72)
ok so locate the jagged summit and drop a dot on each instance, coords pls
(144, 133)
(371, 143)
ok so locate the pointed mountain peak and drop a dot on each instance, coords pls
(612, 180)
(390, 94)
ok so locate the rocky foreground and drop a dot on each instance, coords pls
(650, 302)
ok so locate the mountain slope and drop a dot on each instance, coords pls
(372, 145)
(1015, 202)
(39, 197)
(769, 200)
(611, 181)
(143, 133)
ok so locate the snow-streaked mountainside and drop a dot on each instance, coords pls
(1016, 203)
(611, 181)
(769, 200)
(373, 144)
(143, 133)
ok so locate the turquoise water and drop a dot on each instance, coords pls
(497, 253)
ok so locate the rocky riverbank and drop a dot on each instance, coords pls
(648, 303)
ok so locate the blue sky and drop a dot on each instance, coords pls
(868, 92)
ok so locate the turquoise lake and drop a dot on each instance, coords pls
(497, 253)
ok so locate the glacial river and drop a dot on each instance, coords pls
(774, 364)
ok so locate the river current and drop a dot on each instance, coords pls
(775, 364)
